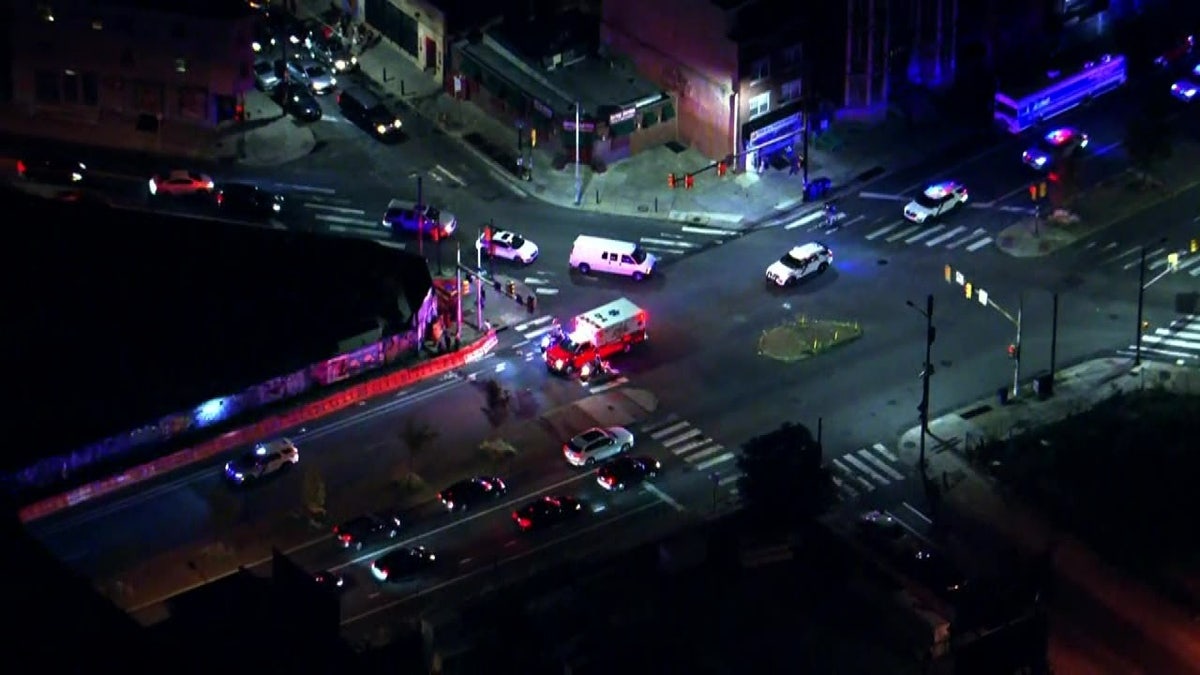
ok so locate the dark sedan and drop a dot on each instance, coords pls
(403, 564)
(51, 170)
(367, 529)
(245, 200)
(469, 493)
(625, 471)
(299, 102)
(546, 512)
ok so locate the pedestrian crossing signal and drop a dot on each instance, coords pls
(688, 181)
(721, 169)
(1014, 352)
(671, 181)
(1033, 191)
(1042, 190)
(949, 273)
(967, 289)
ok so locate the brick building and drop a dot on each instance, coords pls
(129, 66)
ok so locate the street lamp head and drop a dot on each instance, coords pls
(910, 303)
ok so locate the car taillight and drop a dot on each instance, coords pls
(345, 537)
(607, 480)
(220, 198)
(21, 167)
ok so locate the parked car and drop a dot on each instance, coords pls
(319, 79)
(298, 100)
(597, 444)
(368, 112)
(52, 170)
(332, 52)
(247, 200)
(181, 183)
(366, 529)
(265, 77)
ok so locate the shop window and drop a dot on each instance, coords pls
(649, 119)
(759, 105)
(623, 128)
(70, 87)
(789, 91)
(668, 112)
(46, 86)
(91, 89)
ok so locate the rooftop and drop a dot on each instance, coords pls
(211, 9)
(136, 315)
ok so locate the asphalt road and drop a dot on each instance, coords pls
(707, 312)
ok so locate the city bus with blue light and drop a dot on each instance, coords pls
(1018, 110)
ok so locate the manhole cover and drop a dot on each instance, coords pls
(642, 208)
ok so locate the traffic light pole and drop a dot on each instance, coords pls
(1017, 357)
(458, 291)
(925, 375)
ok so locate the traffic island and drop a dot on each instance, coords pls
(801, 338)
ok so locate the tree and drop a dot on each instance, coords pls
(416, 438)
(314, 493)
(782, 480)
(498, 450)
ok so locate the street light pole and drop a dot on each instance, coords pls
(578, 178)
(1017, 356)
(1137, 350)
(926, 373)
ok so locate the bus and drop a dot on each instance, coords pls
(1058, 93)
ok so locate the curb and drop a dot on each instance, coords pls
(260, 430)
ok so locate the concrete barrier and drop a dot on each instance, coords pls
(260, 431)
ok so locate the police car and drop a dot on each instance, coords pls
(1186, 89)
(801, 261)
(1057, 144)
(264, 460)
(937, 200)
(508, 246)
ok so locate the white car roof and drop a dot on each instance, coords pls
(804, 250)
(940, 190)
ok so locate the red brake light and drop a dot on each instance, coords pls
(21, 167)
(345, 537)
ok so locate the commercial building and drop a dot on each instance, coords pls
(543, 75)
(151, 329)
(130, 71)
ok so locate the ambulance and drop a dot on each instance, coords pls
(593, 336)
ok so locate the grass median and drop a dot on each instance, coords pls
(802, 337)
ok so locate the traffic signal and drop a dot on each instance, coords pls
(1033, 191)
(533, 138)
(671, 181)
(1014, 351)
(949, 274)
(688, 181)
(967, 289)
(721, 169)
(1042, 190)
(1194, 246)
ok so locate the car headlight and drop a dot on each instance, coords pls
(333, 81)
(76, 176)
(340, 64)
(256, 46)
(379, 128)
(396, 124)
(354, 60)
(558, 364)
(275, 207)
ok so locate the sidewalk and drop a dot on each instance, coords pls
(849, 154)
(268, 137)
(1104, 205)
(143, 589)
(976, 498)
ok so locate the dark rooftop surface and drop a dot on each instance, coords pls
(210, 9)
(119, 318)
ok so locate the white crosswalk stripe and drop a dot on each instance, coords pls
(687, 239)
(693, 446)
(340, 213)
(865, 470)
(1127, 257)
(1178, 343)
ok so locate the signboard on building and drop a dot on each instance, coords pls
(624, 115)
(586, 127)
(786, 126)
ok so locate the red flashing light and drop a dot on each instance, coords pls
(1014, 351)
(1053, 177)
(721, 169)
(671, 181)
(688, 181)
(1033, 191)
(21, 168)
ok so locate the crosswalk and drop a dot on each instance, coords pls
(1127, 257)
(684, 241)
(339, 214)
(1177, 343)
(862, 471)
(939, 235)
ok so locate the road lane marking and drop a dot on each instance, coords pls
(336, 209)
(539, 332)
(882, 449)
(450, 174)
(884, 230)
(726, 480)
(685, 436)
(882, 195)
(1115, 258)
(914, 509)
(308, 188)
(691, 446)
(674, 243)
(691, 229)
(868, 485)
(360, 223)
(667, 431)
(1152, 254)
(719, 459)
(611, 385)
(979, 244)
(969, 237)
(841, 485)
(946, 235)
(488, 569)
(666, 498)
(692, 459)
(903, 233)
(800, 222)
(925, 233)
(535, 322)
(878, 464)
(866, 469)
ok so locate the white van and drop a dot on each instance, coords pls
(611, 255)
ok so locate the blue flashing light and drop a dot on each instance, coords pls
(939, 190)
(211, 411)
(1184, 90)
(260, 450)
(1059, 136)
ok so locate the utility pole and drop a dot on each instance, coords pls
(420, 219)
(578, 178)
(1054, 338)
(1017, 356)
(1137, 350)
(458, 290)
(926, 373)
(806, 86)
